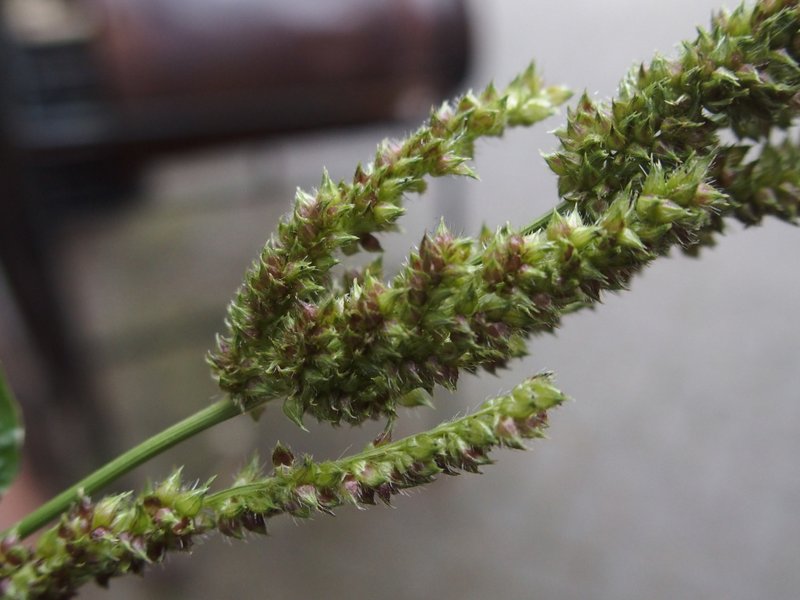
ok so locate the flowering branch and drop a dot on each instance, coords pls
(121, 534)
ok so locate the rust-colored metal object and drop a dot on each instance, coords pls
(186, 72)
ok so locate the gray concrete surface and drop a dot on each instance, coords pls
(673, 474)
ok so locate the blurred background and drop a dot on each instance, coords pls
(149, 148)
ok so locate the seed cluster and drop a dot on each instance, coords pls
(742, 75)
(96, 541)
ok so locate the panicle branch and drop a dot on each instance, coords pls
(122, 534)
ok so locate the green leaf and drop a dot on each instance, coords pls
(11, 434)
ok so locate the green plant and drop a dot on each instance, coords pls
(637, 177)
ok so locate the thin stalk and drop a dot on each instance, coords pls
(200, 421)
(544, 220)
(540, 223)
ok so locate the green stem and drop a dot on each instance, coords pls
(200, 421)
(539, 224)
(542, 221)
